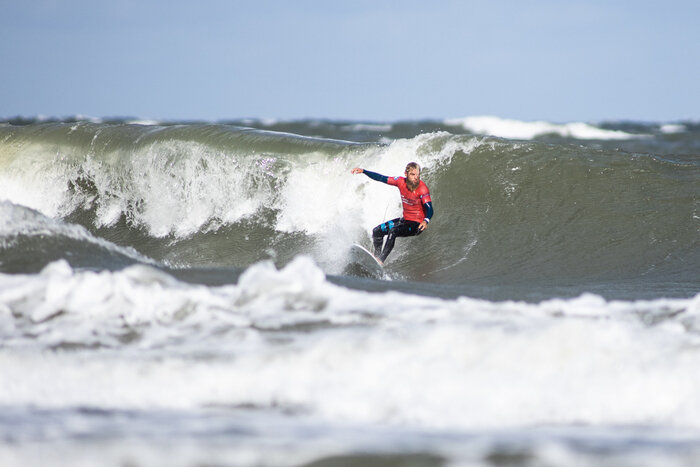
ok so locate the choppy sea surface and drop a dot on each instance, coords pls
(182, 294)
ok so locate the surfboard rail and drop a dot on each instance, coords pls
(366, 261)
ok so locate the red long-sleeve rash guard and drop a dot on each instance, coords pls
(417, 205)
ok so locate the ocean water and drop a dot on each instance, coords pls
(181, 294)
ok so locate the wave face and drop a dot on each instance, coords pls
(203, 195)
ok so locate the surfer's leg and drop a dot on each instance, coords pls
(378, 235)
(399, 229)
(388, 245)
(377, 240)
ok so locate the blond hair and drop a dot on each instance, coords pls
(412, 165)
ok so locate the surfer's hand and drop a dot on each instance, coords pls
(357, 170)
(422, 226)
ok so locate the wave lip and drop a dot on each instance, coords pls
(518, 129)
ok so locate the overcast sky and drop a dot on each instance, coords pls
(561, 61)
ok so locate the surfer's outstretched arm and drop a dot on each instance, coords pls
(372, 175)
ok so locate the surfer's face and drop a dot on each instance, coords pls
(412, 178)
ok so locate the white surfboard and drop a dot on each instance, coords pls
(361, 257)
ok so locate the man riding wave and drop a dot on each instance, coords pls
(417, 209)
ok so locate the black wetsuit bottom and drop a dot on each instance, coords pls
(398, 227)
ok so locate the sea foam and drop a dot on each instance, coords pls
(386, 358)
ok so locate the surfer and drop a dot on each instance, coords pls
(417, 209)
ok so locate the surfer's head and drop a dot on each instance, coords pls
(412, 175)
